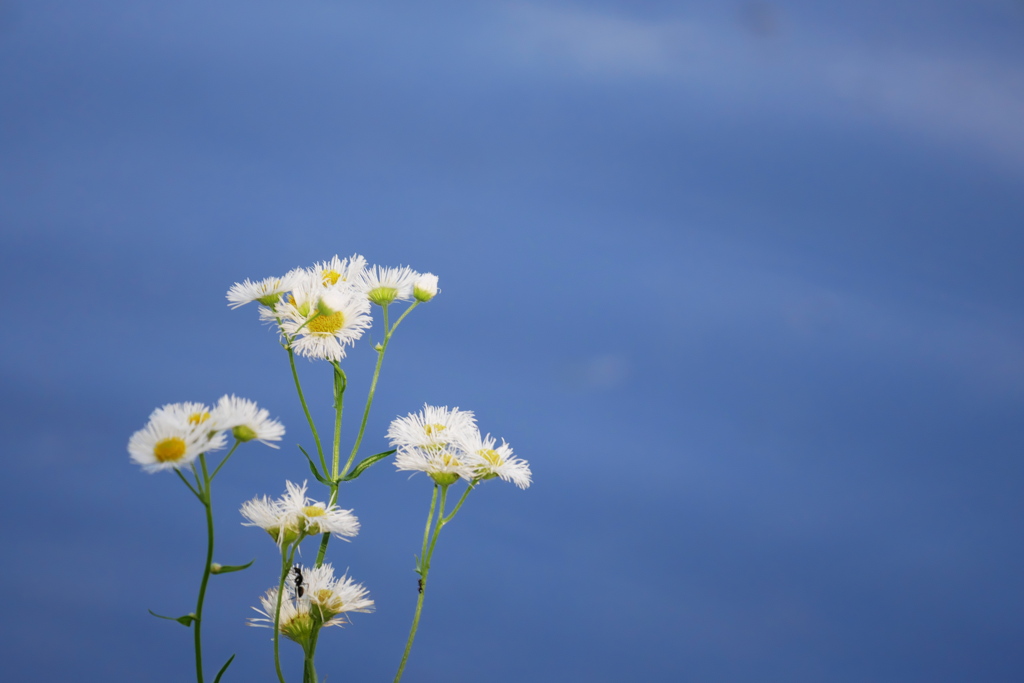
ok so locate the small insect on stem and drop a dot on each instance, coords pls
(420, 581)
(299, 590)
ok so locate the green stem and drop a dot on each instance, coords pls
(339, 400)
(430, 518)
(305, 407)
(205, 498)
(308, 668)
(286, 565)
(224, 461)
(373, 383)
(190, 487)
(424, 570)
(458, 505)
(326, 537)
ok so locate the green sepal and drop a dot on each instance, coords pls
(358, 469)
(225, 667)
(419, 565)
(228, 568)
(316, 473)
(185, 620)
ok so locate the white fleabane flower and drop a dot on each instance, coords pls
(339, 270)
(313, 598)
(175, 436)
(382, 285)
(267, 291)
(489, 462)
(444, 465)
(432, 428)
(322, 321)
(294, 516)
(295, 620)
(425, 287)
(187, 414)
(267, 515)
(329, 597)
(246, 420)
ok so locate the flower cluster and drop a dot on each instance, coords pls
(178, 432)
(294, 516)
(324, 309)
(447, 445)
(312, 599)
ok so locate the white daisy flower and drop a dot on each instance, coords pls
(246, 420)
(294, 516)
(323, 321)
(384, 285)
(444, 465)
(338, 270)
(187, 414)
(432, 428)
(267, 291)
(312, 598)
(267, 515)
(489, 462)
(329, 597)
(425, 287)
(295, 620)
(171, 440)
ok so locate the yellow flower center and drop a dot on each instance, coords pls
(492, 456)
(434, 429)
(313, 511)
(449, 460)
(327, 324)
(198, 418)
(170, 449)
(331, 277)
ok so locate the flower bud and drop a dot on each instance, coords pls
(425, 287)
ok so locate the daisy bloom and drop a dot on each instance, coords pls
(294, 516)
(246, 420)
(329, 597)
(322, 321)
(313, 598)
(444, 466)
(338, 270)
(489, 462)
(432, 428)
(175, 436)
(267, 291)
(425, 287)
(384, 285)
(295, 620)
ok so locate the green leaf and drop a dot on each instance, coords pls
(225, 667)
(228, 568)
(358, 469)
(316, 473)
(185, 620)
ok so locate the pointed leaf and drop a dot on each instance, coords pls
(185, 620)
(228, 568)
(224, 668)
(358, 469)
(316, 473)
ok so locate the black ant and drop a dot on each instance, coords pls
(421, 585)
(299, 590)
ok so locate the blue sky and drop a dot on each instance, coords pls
(742, 281)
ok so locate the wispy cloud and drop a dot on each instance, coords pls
(971, 98)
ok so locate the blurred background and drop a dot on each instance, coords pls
(741, 280)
